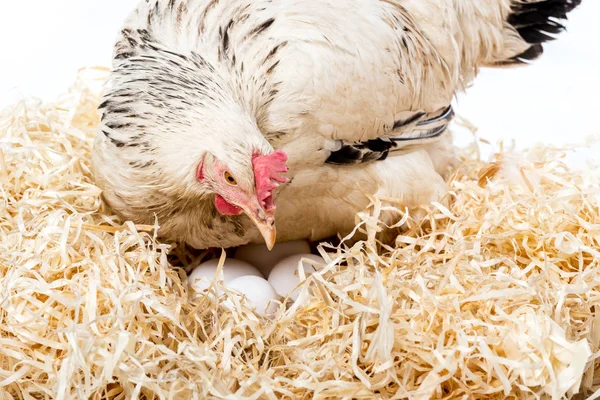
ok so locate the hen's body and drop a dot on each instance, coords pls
(313, 75)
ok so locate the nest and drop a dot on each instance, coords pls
(496, 296)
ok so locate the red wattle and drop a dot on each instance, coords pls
(226, 208)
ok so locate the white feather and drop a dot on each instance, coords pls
(294, 75)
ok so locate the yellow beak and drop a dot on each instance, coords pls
(265, 225)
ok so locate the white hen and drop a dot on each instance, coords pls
(355, 93)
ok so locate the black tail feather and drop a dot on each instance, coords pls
(539, 22)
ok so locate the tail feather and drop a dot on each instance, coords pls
(536, 22)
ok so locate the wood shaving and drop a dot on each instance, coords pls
(496, 296)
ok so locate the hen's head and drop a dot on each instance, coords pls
(176, 136)
(243, 189)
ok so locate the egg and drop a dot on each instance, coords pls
(265, 260)
(285, 278)
(259, 293)
(203, 274)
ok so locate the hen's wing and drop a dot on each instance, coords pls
(460, 39)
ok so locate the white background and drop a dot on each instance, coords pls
(44, 42)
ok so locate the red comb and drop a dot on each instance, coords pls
(267, 174)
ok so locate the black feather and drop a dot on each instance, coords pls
(224, 33)
(371, 150)
(274, 50)
(261, 28)
(537, 23)
(431, 127)
(410, 120)
(530, 54)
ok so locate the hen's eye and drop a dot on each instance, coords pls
(230, 179)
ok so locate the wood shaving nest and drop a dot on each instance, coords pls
(496, 296)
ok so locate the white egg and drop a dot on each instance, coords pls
(285, 278)
(259, 293)
(202, 275)
(265, 260)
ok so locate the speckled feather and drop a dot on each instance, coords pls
(229, 77)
